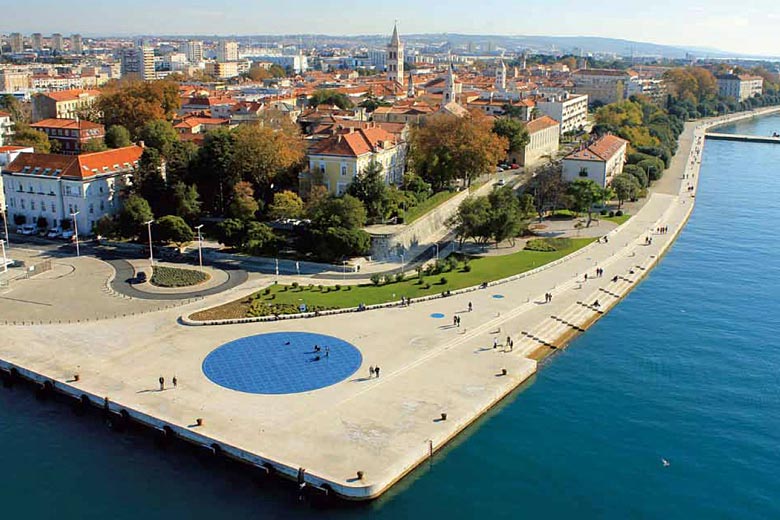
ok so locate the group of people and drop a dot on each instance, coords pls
(162, 382)
(599, 272)
(547, 297)
(456, 321)
(318, 349)
(662, 230)
(405, 302)
(605, 238)
(648, 241)
(373, 371)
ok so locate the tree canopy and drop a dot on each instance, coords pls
(133, 103)
(25, 136)
(117, 136)
(514, 131)
(172, 229)
(330, 97)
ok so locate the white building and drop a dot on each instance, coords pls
(195, 51)
(571, 110)
(7, 156)
(56, 186)
(599, 162)
(138, 61)
(544, 138)
(6, 127)
(227, 51)
(76, 44)
(740, 87)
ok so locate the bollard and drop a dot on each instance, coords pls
(443, 416)
(360, 475)
(503, 371)
(76, 377)
(199, 421)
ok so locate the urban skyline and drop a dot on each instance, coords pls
(697, 24)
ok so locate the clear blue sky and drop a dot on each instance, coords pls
(748, 27)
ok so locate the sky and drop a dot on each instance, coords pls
(749, 27)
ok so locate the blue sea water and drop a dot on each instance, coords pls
(687, 368)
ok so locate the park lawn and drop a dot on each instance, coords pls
(486, 269)
(617, 220)
(176, 277)
(596, 216)
(427, 205)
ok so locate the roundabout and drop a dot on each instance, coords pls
(282, 363)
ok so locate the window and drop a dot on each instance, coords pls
(67, 190)
(583, 172)
(343, 170)
(22, 201)
(101, 189)
(101, 205)
(91, 208)
(70, 208)
(53, 208)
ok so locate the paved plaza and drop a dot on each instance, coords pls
(264, 397)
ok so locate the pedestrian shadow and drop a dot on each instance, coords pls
(152, 390)
(360, 379)
(483, 349)
(444, 327)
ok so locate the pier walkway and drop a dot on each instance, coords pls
(743, 138)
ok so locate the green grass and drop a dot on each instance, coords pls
(175, 277)
(596, 216)
(427, 205)
(617, 220)
(285, 298)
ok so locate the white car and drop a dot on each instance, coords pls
(27, 229)
(67, 234)
(501, 182)
(54, 233)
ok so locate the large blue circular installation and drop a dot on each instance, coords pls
(282, 363)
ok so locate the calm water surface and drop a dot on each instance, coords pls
(687, 368)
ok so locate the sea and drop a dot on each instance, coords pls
(685, 370)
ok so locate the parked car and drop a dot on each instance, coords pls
(504, 166)
(499, 169)
(140, 277)
(515, 166)
(501, 182)
(67, 234)
(54, 233)
(27, 229)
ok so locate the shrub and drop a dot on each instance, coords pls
(399, 277)
(337, 287)
(467, 268)
(619, 213)
(442, 280)
(267, 291)
(375, 279)
(604, 211)
(175, 277)
(548, 245)
(426, 286)
(320, 287)
(611, 213)
(295, 285)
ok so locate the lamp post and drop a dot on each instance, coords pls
(151, 252)
(436, 244)
(5, 260)
(200, 248)
(76, 230)
(5, 226)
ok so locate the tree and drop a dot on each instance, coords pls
(514, 131)
(340, 212)
(133, 103)
(244, 206)
(13, 106)
(106, 226)
(505, 219)
(261, 153)
(159, 134)
(117, 136)
(179, 162)
(330, 97)
(173, 229)
(548, 189)
(186, 201)
(286, 204)
(232, 233)
(25, 136)
(148, 181)
(334, 243)
(472, 220)
(626, 187)
(654, 167)
(447, 147)
(94, 145)
(135, 213)
(260, 239)
(212, 170)
(585, 193)
(370, 187)
(638, 173)
(371, 102)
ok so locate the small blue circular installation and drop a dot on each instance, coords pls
(437, 315)
(282, 363)
(498, 296)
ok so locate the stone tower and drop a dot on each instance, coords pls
(410, 86)
(449, 86)
(395, 58)
(501, 76)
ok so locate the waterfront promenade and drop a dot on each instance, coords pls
(384, 426)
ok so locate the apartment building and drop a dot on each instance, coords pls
(571, 110)
(66, 104)
(70, 134)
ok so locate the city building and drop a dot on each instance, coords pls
(7, 156)
(740, 86)
(6, 127)
(67, 104)
(336, 160)
(600, 161)
(138, 61)
(602, 85)
(395, 58)
(194, 51)
(57, 43)
(571, 110)
(544, 138)
(37, 41)
(17, 43)
(49, 188)
(222, 69)
(652, 89)
(70, 134)
(227, 51)
(14, 80)
(378, 58)
(76, 44)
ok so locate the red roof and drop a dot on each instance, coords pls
(540, 124)
(353, 142)
(4, 149)
(66, 123)
(4, 114)
(82, 166)
(602, 150)
(71, 95)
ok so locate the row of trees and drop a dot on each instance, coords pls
(498, 216)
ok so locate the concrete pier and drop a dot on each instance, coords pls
(358, 437)
(743, 138)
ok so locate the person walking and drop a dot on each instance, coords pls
(174, 381)
(371, 371)
(495, 342)
(162, 383)
(376, 371)
(470, 307)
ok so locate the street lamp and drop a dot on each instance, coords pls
(5, 226)
(5, 260)
(436, 244)
(200, 248)
(76, 230)
(151, 253)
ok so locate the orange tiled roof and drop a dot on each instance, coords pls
(353, 142)
(4, 114)
(77, 166)
(602, 150)
(71, 95)
(540, 124)
(4, 149)
(66, 123)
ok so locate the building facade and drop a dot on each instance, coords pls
(740, 86)
(6, 127)
(227, 51)
(66, 104)
(194, 51)
(395, 58)
(7, 156)
(138, 61)
(51, 188)
(70, 134)
(602, 85)
(571, 110)
(76, 44)
(543, 140)
(600, 161)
